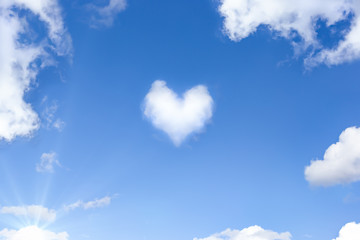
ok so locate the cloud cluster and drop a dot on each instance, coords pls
(341, 163)
(351, 231)
(292, 19)
(21, 58)
(32, 233)
(97, 203)
(105, 16)
(32, 212)
(178, 117)
(250, 233)
(47, 163)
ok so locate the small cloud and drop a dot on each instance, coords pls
(341, 163)
(250, 233)
(32, 233)
(178, 117)
(351, 231)
(32, 212)
(47, 163)
(59, 124)
(44, 99)
(105, 16)
(49, 113)
(49, 117)
(97, 203)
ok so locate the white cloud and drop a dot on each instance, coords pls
(97, 203)
(292, 18)
(32, 212)
(178, 117)
(48, 160)
(18, 67)
(32, 233)
(105, 16)
(350, 231)
(341, 163)
(250, 233)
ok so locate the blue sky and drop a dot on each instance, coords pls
(97, 140)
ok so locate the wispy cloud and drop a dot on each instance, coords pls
(21, 59)
(341, 163)
(250, 233)
(178, 117)
(293, 19)
(47, 162)
(105, 16)
(49, 116)
(59, 124)
(97, 203)
(40, 214)
(31, 212)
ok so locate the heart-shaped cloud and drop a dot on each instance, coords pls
(178, 117)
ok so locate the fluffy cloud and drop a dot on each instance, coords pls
(178, 117)
(21, 58)
(341, 163)
(105, 16)
(97, 203)
(250, 233)
(32, 233)
(350, 231)
(48, 160)
(291, 19)
(32, 212)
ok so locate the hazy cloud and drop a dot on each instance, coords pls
(49, 116)
(105, 16)
(250, 233)
(97, 203)
(31, 212)
(47, 162)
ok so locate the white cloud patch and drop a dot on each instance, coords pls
(341, 163)
(250, 233)
(292, 19)
(97, 203)
(21, 58)
(32, 233)
(350, 231)
(47, 162)
(105, 16)
(178, 117)
(32, 212)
